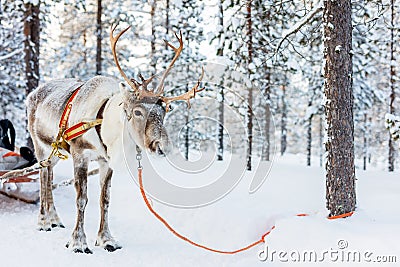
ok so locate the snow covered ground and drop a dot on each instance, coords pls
(235, 221)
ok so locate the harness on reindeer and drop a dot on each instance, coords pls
(65, 135)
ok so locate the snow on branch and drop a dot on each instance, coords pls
(392, 123)
(300, 24)
(13, 53)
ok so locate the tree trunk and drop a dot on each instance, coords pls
(84, 48)
(284, 122)
(153, 61)
(309, 139)
(365, 142)
(391, 157)
(220, 52)
(267, 91)
(321, 141)
(267, 145)
(249, 34)
(187, 130)
(99, 37)
(340, 173)
(167, 20)
(31, 48)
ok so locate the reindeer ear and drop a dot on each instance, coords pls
(125, 90)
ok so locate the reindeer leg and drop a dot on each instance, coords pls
(53, 216)
(104, 237)
(78, 242)
(43, 220)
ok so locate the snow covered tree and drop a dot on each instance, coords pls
(393, 125)
(99, 30)
(340, 170)
(32, 43)
(31, 47)
(185, 16)
(249, 117)
(393, 78)
(221, 98)
(12, 66)
(366, 59)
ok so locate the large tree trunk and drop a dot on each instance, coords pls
(250, 89)
(391, 157)
(340, 173)
(31, 47)
(98, 37)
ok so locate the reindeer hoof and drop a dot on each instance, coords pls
(88, 251)
(111, 248)
(110, 245)
(54, 225)
(76, 248)
(80, 250)
(44, 228)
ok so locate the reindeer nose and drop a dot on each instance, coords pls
(155, 147)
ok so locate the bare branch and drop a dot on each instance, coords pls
(13, 53)
(299, 25)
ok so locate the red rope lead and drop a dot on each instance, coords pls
(261, 240)
(344, 215)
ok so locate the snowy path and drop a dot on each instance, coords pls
(234, 221)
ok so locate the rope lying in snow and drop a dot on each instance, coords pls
(161, 219)
(186, 239)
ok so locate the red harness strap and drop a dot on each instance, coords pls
(68, 134)
(67, 110)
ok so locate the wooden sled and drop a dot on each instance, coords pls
(24, 187)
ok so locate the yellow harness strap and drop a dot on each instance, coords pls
(67, 134)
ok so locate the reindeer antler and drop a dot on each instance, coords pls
(158, 93)
(160, 89)
(132, 82)
(113, 43)
(186, 96)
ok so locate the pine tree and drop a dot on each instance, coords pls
(391, 157)
(186, 17)
(12, 66)
(99, 30)
(221, 98)
(32, 43)
(249, 43)
(340, 170)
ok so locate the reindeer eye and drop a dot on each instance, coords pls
(138, 113)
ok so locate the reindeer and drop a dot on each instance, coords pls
(142, 110)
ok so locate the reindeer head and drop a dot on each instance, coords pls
(145, 108)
